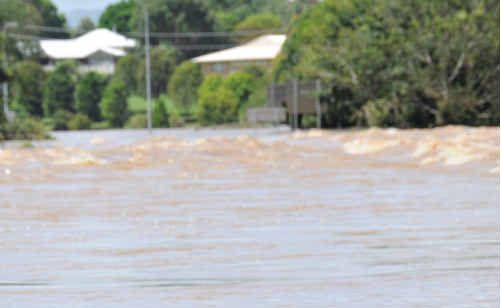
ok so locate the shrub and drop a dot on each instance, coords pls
(210, 83)
(242, 84)
(79, 121)
(137, 121)
(60, 119)
(175, 117)
(136, 104)
(217, 107)
(23, 129)
(114, 103)
(184, 83)
(60, 89)
(379, 112)
(29, 79)
(89, 92)
(160, 117)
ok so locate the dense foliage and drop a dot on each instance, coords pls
(217, 107)
(164, 61)
(402, 63)
(28, 88)
(60, 88)
(184, 83)
(23, 128)
(88, 94)
(222, 99)
(118, 16)
(258, 23)
(114, 103)
(160, 116)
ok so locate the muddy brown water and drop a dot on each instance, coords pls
(252, 218)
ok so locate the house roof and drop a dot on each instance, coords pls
(265, 47)
(98, 40)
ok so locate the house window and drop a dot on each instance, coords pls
(218, 67)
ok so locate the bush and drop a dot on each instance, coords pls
(114, 103)
(89, 92)
(60, 119)
(136, 104)
(137, 121)
(242, 84)
(24, 129)
(184, 83)
(60, 89)
(175, 115)
(380, 112)
(29, 79)
(160, 116)
(79, 121)
(217, 107)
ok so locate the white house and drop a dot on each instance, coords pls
(260, 51)
(96, 50)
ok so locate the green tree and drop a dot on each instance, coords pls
(177, 16)
(184, 83)
(242, 84)
(160, 116)
(114, 103)
(216, 103)
(89, 92)
(50, 15)
(28, 85)
(86, 24)
(118, 16)
(126, 70)
(163, 61)
(263, 22)
(59, 92)
(435, 61)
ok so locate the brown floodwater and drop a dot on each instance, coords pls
(251, 218)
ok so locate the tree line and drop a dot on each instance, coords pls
(404, 63)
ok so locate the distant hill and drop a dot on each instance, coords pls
(73, 16)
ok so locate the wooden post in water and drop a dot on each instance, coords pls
(318, 87)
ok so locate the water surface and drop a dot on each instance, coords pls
(252, 218)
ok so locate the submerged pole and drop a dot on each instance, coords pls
(147, 66)
(295, 97)
(318, 88)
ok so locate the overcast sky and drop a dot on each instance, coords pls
(70, 5)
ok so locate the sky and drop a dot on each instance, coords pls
(70, 5)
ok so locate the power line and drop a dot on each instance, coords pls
(208, 34)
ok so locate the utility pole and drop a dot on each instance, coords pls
(147, 66)
(318, 86)
(5, 86)
(295, 98)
